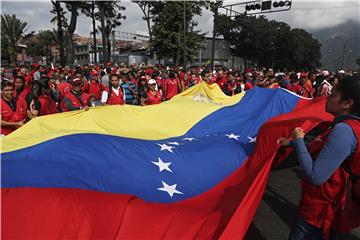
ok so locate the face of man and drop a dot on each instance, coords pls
(77, 87)
(207, 77)
(95, 78)
(230, 78)
(8, 93)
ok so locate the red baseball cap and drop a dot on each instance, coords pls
(94, 73)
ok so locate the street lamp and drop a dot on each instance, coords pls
(345, 43)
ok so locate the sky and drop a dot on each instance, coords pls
(310, 15)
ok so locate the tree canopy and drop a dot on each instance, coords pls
(269, 43)
(12, 31)
(168, 30)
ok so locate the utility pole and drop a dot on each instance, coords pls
(113, 45)
(213, 38)
(94, 31)
(184, 40)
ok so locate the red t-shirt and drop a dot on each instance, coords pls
(153, 99)
(64, 87)
(172, 87)
(94, 87)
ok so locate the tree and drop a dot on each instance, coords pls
(168, 29)
(69, 28)
(147, 7)
(73, 7)
(269, 43)
(109, 14)
(12, 32)
(305, 50)
(40, 44)
(110, 17)
(61, 23)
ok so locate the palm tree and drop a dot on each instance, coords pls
(12, 32)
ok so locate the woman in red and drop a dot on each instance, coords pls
(116, 95)
(43, 103)
(21, 90)
(153, 95)
(13, 111)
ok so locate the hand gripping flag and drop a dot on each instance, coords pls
(192, 167)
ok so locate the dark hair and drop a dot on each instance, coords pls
(5, 83)
(293, 76)
(349, 88)
(21, 78)
(171, 74)
(110, 85)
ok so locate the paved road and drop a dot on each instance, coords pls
(277, 210)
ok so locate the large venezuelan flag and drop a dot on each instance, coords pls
(185, 168)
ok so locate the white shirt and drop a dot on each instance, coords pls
(105, 94)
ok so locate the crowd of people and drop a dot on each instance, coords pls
(31, 91)
(28, 92)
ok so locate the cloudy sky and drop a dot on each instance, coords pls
(310, 15)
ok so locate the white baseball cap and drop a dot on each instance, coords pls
(152, 81)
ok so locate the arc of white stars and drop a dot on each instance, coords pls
(165, 147)
(162, 165)
(188, 139)
(252, 139)
(171, 190)
(174, 143)
(233, 136)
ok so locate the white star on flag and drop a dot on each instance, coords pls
(252, 139)
(169, 189)
(233, 136)
(162, 165)
(165, 147)
(174, 143)
(189, 139)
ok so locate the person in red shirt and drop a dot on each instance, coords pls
(64, 87)
(206, 77)
(172, 86)
(75, 99)
(116, 95)
(42, 103)
(194, 79)
(153, 95)
(298, 86)
(221, 79)
(232, 86)
(21, 90)
(249, 83)
(13, 111)
(94, 86)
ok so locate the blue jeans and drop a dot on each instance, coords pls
(305, 231)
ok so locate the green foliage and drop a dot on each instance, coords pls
(40, 45)
(168, 29)
(269, 43)
(12, 32)
(305, 50)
